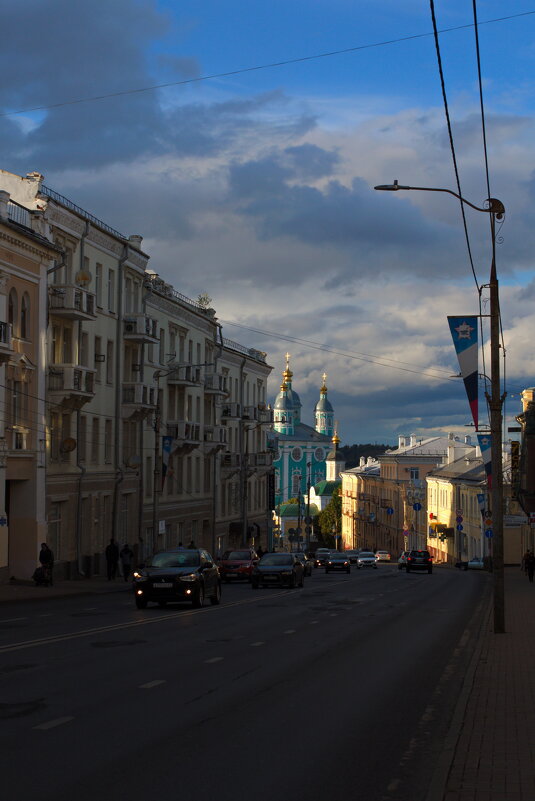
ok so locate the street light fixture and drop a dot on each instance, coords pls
(496, 210)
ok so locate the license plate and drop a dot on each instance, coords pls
(271, 578)
(163, 585)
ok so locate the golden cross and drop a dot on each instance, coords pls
(324, 376)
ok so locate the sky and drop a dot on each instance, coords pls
(257, 187)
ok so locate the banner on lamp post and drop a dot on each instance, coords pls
(485, 444)
(166, 452)
(465, 339)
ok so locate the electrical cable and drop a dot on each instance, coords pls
(256, 68)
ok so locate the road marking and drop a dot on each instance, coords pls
(53, 723)
(150, 684)
(19, 646)
(49, 614)
(256, 644)
(313, 622)
(290, 631)
(333, 614)
(214, 659)
(13, 619)
(90, 608)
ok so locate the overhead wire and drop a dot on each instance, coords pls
(256, 68)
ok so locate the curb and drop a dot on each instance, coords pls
(58, 595)
(437, 787)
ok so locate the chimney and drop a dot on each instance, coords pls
(362, 461)
(468, 439)
(401, 441)
(135, 240)
(4, 200)
(413, 440)
(528, 396)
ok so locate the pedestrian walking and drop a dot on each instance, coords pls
(126, 557)
(46, 559)
(112, 559)
(530, 566)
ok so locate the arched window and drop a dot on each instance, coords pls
(296, 482)
(13, 310)
(25, 316)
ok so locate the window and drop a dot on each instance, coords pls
(67, 346)
(25, 316)
(296, 481)
(13, 310)
(98, 363)
(108, 441)
(82, 439)
(415, 473)
(111, 290)
(98, 284)
(84, 349)
(55, 437)
(95, 434)
(109, 362)
(162, 346)
(148, 477)
(128, 295)
(54, 530)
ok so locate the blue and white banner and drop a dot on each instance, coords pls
(465, 340)
(166, 453)
(485, 444)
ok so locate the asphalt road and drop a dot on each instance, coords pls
(343, 689)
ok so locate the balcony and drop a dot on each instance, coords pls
(140, 328)
(70, 385)
(230, 410)
(71, 302)
(265, 415)
(263, 459)
(6, 346)
(186, 436)
(230, 461)
(215, 438)
(185, 376)
(215, 384)
(138, 399)
(250, 413)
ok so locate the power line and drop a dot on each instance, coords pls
(256, 68)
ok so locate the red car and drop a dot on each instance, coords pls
(238, 564)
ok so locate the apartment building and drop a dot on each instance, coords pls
(25, 257)
(154, 423)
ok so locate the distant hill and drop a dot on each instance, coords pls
(352, 453)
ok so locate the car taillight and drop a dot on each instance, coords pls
(409, 558)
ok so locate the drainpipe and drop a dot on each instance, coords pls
(243, 460)
(218, 339)
(80, 467)
(118, 364)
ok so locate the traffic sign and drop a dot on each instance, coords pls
(459, 527)
(417, 507)
(488, 533)
(390, 511)
(488, 522)
(458, 511)
(308, 520)
(459, 518)
(308, 530)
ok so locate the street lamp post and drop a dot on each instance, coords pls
(496, 210)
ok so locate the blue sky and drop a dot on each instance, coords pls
(258, 188)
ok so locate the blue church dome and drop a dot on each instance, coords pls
(323, 405)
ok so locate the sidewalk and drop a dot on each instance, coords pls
(493, 741)
(21, 591)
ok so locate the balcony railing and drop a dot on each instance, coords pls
(5, 339)
(71, 379)
(215, 383)
(231, 410)
(72, 302)
(184, 431)
(230, 460)
(216, 434)
(141, 328)
(137, 394)
(184, 376)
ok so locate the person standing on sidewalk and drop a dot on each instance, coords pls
(126, 556)
(530, 565)
(524, 563)
(46, 559)
(112, 559)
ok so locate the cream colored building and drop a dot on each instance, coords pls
(25, 257)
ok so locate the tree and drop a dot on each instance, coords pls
(330, 519)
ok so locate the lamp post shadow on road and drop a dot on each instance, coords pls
(496, 211)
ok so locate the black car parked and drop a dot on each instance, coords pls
(419, 560)
(283, 569)
(177, 575)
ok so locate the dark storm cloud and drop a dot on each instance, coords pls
(310, 162)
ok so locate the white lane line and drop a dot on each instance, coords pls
(51, 724)
(256, 644)
(214, 659)
(290, 631)
(150, 684)
(13, 619)
(49, 614)
(18, 646)
(313, 622)
(333, 614)
(90, 608)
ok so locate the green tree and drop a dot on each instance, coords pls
(330, 519)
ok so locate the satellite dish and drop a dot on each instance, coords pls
(83, 278)
(68, 445)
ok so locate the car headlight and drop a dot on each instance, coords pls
(138, 575)
(188, 577)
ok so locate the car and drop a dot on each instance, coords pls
(419, 560)
(237, 564)
(338, 560)
(382, 556)
(476, 563)
(402, 560)
(366, 559)
(177, 575)
(320, 557)
(305, 561)
(352, 555)
(282, 569)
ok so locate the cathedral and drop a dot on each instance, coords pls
(302, 450)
